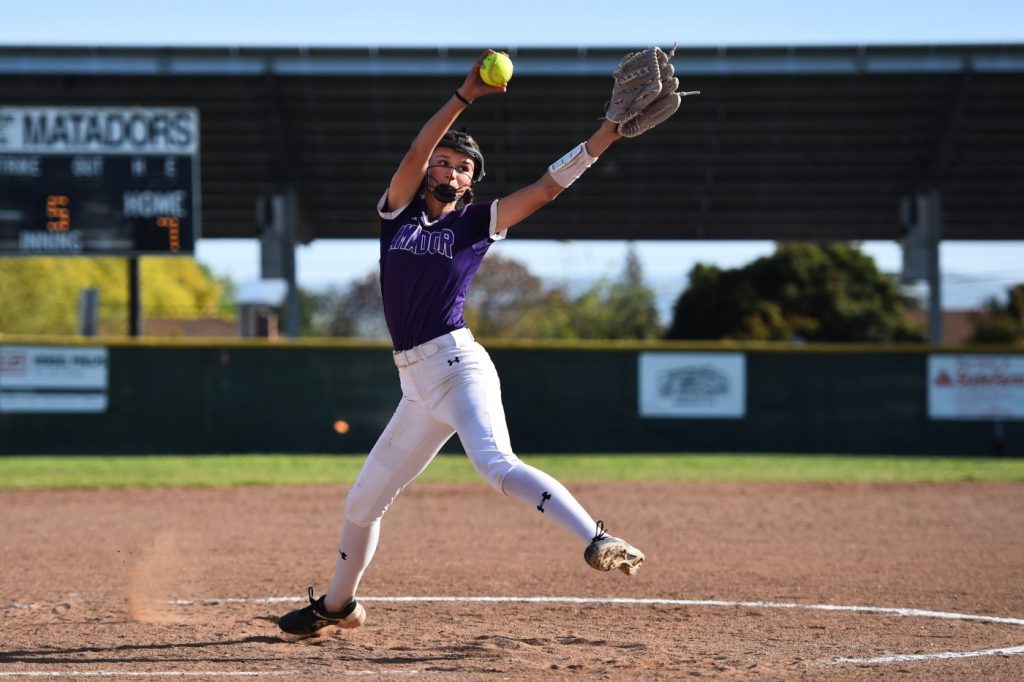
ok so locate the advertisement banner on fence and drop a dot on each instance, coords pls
(978, 387)
(692, 385)
(53, 379)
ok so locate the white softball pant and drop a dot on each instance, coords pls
(449, 385)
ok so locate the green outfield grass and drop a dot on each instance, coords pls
(30, 472)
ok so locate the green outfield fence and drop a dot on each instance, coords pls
(186, 396)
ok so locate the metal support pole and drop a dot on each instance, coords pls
(278, 216)
(921, 216)
(134, 298)
(89, 312)
(292, 314)
(931, 214)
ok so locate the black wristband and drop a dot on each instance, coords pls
(465, 101)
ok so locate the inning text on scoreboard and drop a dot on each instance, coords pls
(91, 180)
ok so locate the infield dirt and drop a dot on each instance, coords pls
(88, 576)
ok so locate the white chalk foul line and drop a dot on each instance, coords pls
(883, 610)
(143, 673)
(194, 673)
(877, 610)
(899, 658)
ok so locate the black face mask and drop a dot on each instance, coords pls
(444, 193)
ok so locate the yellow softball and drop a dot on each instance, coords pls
(496, 69)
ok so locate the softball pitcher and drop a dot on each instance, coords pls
(432, 240)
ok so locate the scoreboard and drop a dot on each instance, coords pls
(92, 181)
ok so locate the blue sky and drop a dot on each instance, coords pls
(597, 22)
(972, 270)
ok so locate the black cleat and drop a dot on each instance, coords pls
(310, 620)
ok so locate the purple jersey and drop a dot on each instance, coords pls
(426, 267)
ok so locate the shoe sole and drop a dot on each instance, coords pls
(630, 565)
(626, 562)
(354, 619)
(290, 637)
(350, 622)
(620, 556)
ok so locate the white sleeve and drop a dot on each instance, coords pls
(570, 167)
(496, 236)
(391, 215)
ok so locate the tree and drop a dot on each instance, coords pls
(811, 292)
(633, 306)
(619, 309)
(39, 295)
(1001, 323)
(356, 310)
(507, 301)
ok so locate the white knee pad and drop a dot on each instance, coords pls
(359, 511)
(371, 495)
(494, 466)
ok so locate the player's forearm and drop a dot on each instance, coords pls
(406, 180)
(603, 138)
(568, 169)
(434, 129)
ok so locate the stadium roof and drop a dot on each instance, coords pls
(784, 142)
